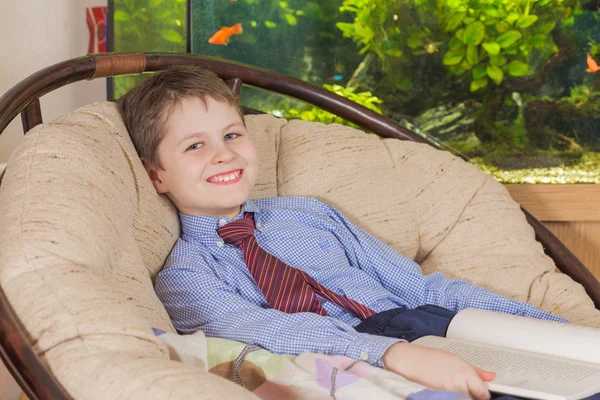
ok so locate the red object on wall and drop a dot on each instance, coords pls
(96, 22)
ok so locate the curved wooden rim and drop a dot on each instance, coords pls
(19, 357)
(48, 79)
(115, 64)
(40, 83)
(15, 348)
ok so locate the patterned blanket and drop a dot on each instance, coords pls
(307, 376)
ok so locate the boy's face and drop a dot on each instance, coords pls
(209, 163)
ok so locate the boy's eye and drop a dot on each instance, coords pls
(230, 136)
(195, 146)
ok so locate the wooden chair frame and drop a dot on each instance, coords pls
(16, 350)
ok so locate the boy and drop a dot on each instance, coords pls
(189, 130)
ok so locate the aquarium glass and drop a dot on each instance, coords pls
(511, 85)
(147, 26)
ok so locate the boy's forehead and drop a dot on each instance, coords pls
(194, 117)
(186, 111)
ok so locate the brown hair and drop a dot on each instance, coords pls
(145, 108)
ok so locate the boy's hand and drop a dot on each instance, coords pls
(437, 369)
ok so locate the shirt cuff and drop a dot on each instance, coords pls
(533, 312)
(370, 348)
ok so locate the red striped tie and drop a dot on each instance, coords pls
(286, 289)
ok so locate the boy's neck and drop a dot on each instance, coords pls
(234, 213)
(231, 214)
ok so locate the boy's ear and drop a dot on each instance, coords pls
(153, 173)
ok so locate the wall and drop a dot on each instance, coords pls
(33, 35)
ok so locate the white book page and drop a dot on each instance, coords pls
(524, 374)
(545, 337)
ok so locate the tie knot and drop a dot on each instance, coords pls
(235, 232)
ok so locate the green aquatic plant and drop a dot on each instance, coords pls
(490, 39)
(482, 49)
(370, 27)
(150, 25)
(494, 39)
(311, 113)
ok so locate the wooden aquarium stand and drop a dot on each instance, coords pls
(571, 212)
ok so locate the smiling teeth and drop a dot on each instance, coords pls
(228, 177)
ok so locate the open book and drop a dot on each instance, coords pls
(531, 358)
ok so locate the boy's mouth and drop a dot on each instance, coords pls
(227, 177)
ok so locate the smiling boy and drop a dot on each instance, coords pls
(197, 183)
(189, 130)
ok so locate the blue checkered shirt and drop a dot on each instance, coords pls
(206, 286)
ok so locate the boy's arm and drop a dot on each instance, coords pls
(404, 277)
(197, 300)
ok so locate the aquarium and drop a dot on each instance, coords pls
(511, 85)
(147, 26)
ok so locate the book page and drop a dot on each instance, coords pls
(521, 333)
(524, 374)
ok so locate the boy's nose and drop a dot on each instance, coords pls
(223, 155)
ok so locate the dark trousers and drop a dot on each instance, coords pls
(408, 324)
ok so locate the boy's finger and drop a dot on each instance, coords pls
(485, 375)
(477, 388)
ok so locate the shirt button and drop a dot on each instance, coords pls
(258, 225)
(364, 356)
(222, 222)
(220, 244)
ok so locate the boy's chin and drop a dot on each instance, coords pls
(233, 200)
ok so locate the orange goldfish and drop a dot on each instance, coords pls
(223, 34)
(592, 65)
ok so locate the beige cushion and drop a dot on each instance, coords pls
(83, 234)
(431, 206)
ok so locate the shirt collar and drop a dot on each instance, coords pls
(200, 226)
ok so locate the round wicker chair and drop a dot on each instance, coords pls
(16, 348)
